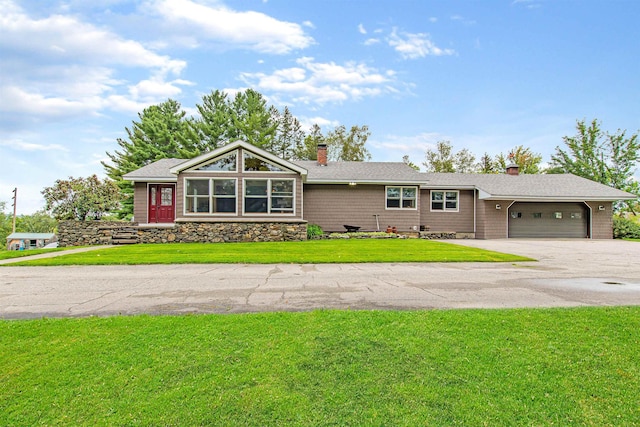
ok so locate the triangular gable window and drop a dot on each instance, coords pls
(256, 164)
(227, 163)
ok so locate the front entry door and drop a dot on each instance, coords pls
(162, 203)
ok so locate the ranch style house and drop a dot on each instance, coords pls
(239, 192)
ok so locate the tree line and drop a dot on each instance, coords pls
(165, 131)
(608, 158)
(38, 222)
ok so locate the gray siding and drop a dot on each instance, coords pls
(601, 220)
(333, 206)
(140, 202)
(491, 222)
(459, 222)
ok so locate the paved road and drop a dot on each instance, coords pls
(568, 273)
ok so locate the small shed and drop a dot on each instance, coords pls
(25, 241)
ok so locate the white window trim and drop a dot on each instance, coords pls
(210, 196)
(444, 201)
(244, 187)
(401, 187)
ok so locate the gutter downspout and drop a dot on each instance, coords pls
(590, 230)
(509, 207)
(475, 205)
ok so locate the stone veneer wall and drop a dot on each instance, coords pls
(82, 233)
(218, 232)
(88, 233)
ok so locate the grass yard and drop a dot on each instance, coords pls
(464, 367)
(310, 252)
(4, 254)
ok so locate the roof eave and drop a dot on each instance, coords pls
(551, 198)
(428, 186)
(150, 178)
(362, 182)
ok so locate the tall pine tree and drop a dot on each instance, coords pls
(161, 132)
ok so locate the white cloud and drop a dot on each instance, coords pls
(316, 82)
(58, 39)
(415, 45)
(156, 88)
(20, 145)
(308, 122)
(463, 20)
(413, 144)
(58, 66)
(361, 29)
(369, 42)
(529, 4)
(250, 30)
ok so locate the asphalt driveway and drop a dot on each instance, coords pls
(568, 273)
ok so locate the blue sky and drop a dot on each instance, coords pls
(485, 75)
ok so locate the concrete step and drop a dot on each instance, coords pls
(124, 241)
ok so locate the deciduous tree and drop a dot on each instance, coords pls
(38, 222)
(440, 159)
(348, 146)
(487, 164)
(464, 161)
(609, 159)
(307, 149)
(81, 198)
(528, 162)
(407, 161)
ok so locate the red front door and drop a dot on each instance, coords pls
(162, 203)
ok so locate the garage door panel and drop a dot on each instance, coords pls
(548, 220)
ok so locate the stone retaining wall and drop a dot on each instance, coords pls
(218, 232)
(85, 233)
(88, 233)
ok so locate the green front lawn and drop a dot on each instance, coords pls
(310, 252)
(19, 254)
(459, 367)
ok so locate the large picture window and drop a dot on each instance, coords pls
(444, 201)
(401, 197)
(268, 196)
(210, 196)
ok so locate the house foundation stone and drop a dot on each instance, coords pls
(86, 233)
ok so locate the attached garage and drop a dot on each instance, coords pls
(548, 220)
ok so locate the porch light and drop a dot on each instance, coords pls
(498, 207)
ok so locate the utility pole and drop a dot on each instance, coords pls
(15, 206)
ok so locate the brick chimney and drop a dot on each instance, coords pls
(322, 154)
(513, 169)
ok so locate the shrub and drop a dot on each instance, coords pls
(625, 228)
(314, 231)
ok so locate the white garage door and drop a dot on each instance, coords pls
(548, 220)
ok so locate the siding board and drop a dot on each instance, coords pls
(331, 206)
(460, 222)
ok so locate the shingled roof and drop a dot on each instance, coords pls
(543, 187)
(360, 173)
(156, 171)
(530, 187)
